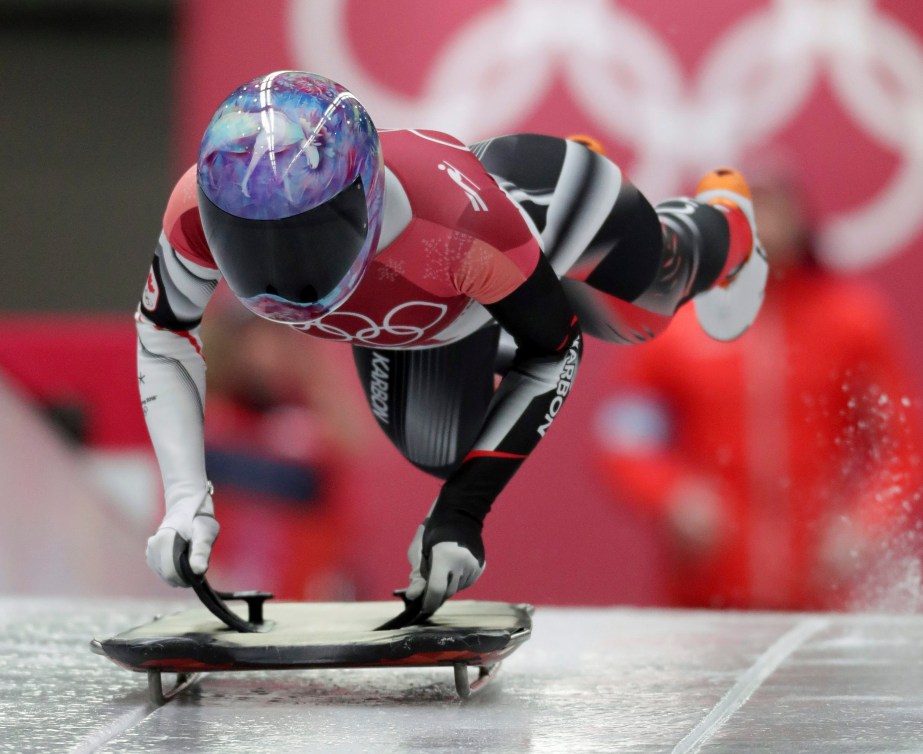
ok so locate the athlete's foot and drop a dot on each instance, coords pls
(729, 307)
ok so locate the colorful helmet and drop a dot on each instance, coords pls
(290, 183)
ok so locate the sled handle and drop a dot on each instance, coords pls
(214, 600)
(412, 614)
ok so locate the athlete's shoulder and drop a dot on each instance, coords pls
(182, 224)
(448, 187)
(438, 173)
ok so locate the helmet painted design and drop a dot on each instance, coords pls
(290, 183)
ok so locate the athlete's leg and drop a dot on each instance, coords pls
(626, 267)
(728, 308)
(431, 402)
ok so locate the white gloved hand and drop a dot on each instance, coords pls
(192, 522)
(440, 570)
(452, 568)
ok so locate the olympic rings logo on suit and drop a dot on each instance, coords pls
(370, 334)
(754, 81)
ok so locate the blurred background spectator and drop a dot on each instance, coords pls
(779, 467)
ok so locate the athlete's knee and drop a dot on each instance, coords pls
(627, 249)
(699, 234)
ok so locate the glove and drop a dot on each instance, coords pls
(445, 557)
(192, 522)
(415, 556)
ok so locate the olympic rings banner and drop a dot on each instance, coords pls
(670, 88)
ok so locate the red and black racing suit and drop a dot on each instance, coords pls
(525, 237)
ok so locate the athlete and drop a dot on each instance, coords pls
(441, 265)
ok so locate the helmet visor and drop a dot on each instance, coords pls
(302, 259)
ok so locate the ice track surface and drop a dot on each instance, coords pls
(609, 680)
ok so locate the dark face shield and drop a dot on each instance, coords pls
(299, 259)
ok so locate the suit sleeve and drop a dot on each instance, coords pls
(528, 399)
(171, 367)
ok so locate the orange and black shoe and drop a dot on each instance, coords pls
(590, 142)
(730, 306)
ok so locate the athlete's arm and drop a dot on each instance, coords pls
(528, 398)
(171, 378)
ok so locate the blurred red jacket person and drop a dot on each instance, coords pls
(782, 464)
